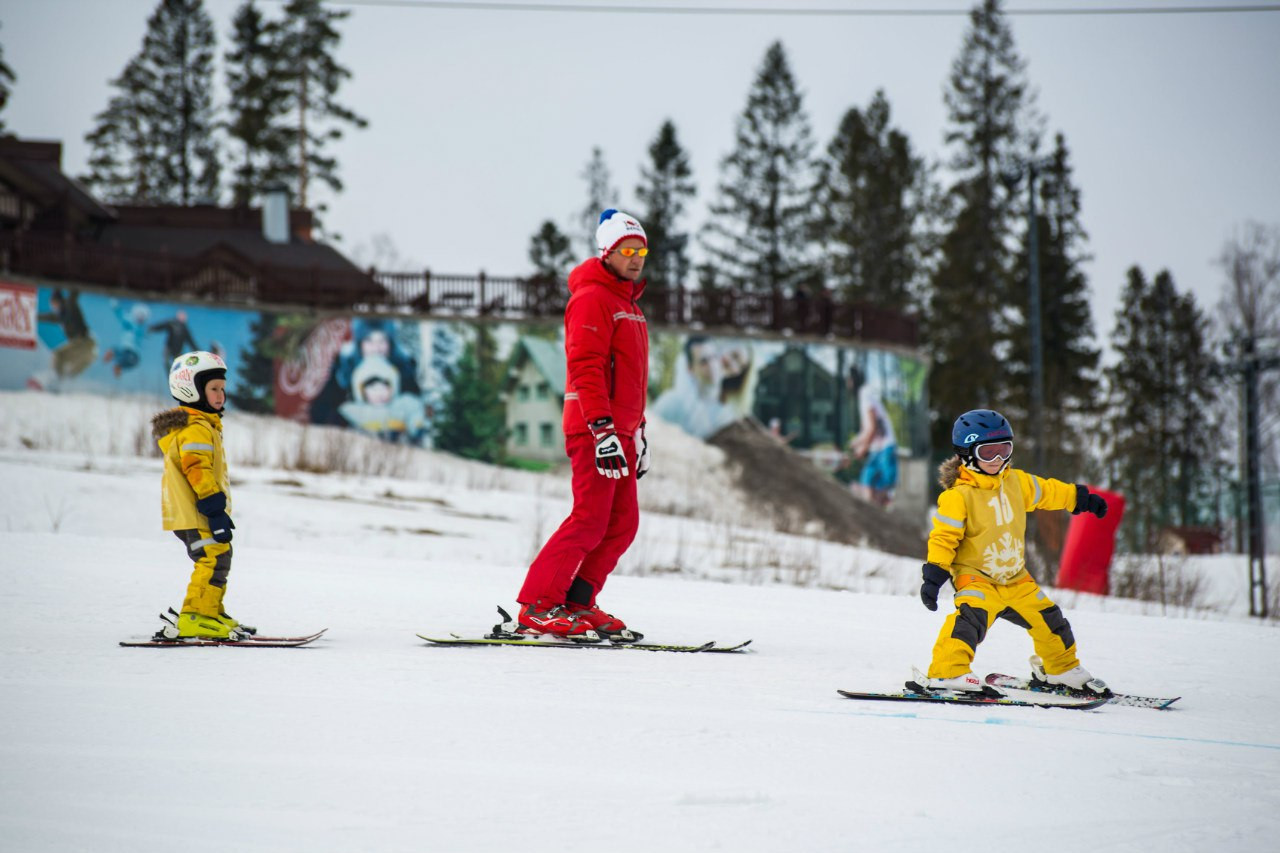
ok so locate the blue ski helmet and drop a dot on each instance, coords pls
(978, 426)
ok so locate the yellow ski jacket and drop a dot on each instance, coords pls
(979, 527)
(194, 465)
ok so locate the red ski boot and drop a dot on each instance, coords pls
(605, 624)
(541, 617)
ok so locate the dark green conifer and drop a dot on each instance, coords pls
(761, 220)
(601, 195)
(666, 186)
(872, 194)
(1161, 430)
(472, 419)
(310, 43)
(1069, 355)
(550, 252)
(7, 79)
(155, 142)
(991, 126)
(257, 72)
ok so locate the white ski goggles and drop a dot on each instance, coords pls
(993, 450)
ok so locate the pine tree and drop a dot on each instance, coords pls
(255, 390)
(550, 252)
(310, 43)
(761, 219)
(256, 75)
(1161, 428)
(155, 143)
(872, 196)
(966, 333)
(666, 186)
(7, 79)
(601, 195)
(472, 420)
(1069, 357)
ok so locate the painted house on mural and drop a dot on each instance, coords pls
(804, 397)
(535, 400)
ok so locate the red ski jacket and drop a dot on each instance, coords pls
(606, 343)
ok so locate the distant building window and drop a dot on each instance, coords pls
(544, 391)
(522, 434)
(522, 393)
(546, 434)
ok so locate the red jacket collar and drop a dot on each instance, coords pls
(593, 271)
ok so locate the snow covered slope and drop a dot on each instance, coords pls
(373, 741)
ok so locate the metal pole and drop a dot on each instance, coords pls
(1033, 324)
(1253, 486)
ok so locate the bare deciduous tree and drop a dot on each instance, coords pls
(1250, 307)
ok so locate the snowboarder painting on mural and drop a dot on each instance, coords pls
(607, 356)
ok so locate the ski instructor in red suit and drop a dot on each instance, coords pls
(606, 343)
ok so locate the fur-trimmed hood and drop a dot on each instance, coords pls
(954, 471)
(947, 472)
(163, 423)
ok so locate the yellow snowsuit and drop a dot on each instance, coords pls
(195, 467)
(978, 536)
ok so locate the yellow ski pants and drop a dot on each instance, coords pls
(209, 577)
(979, 603)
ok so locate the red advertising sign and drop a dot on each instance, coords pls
(300, 379)
(17, 316)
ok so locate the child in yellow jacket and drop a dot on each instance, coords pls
(195, 493)
(977, 543)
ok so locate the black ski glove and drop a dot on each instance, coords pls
(934, 578)
(214, 508)
(1086, 501)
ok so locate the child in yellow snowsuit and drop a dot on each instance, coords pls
(977, 543)
(195, 493)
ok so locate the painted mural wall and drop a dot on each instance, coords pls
(489, 391)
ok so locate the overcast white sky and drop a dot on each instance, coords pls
(481, 121)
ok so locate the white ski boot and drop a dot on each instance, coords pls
(1077, 679)
(964, 683)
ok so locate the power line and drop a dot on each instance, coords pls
(784, 11)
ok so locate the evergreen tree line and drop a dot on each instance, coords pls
(866, 217)
(871, 220)
(162, 138)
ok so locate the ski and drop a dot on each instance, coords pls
(508, 633)
(915, 693)
(193, 642)
(1011, 682)
(551, 643)
(168, 631)
(737, 647)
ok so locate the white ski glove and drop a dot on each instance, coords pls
(611, 462)
(642, 452)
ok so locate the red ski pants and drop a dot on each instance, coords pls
(597, 532)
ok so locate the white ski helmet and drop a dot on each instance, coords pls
(192, 371)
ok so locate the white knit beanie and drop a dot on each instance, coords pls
(616, 226)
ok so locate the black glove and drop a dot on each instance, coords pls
(1086, 501)
(214, 508)
(611, 462)
(934, 578)
(642, 452)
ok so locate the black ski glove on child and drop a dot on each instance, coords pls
(1086, 501)
(934, 578)
(214, 508)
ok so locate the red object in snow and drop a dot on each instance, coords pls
(1086, 553)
